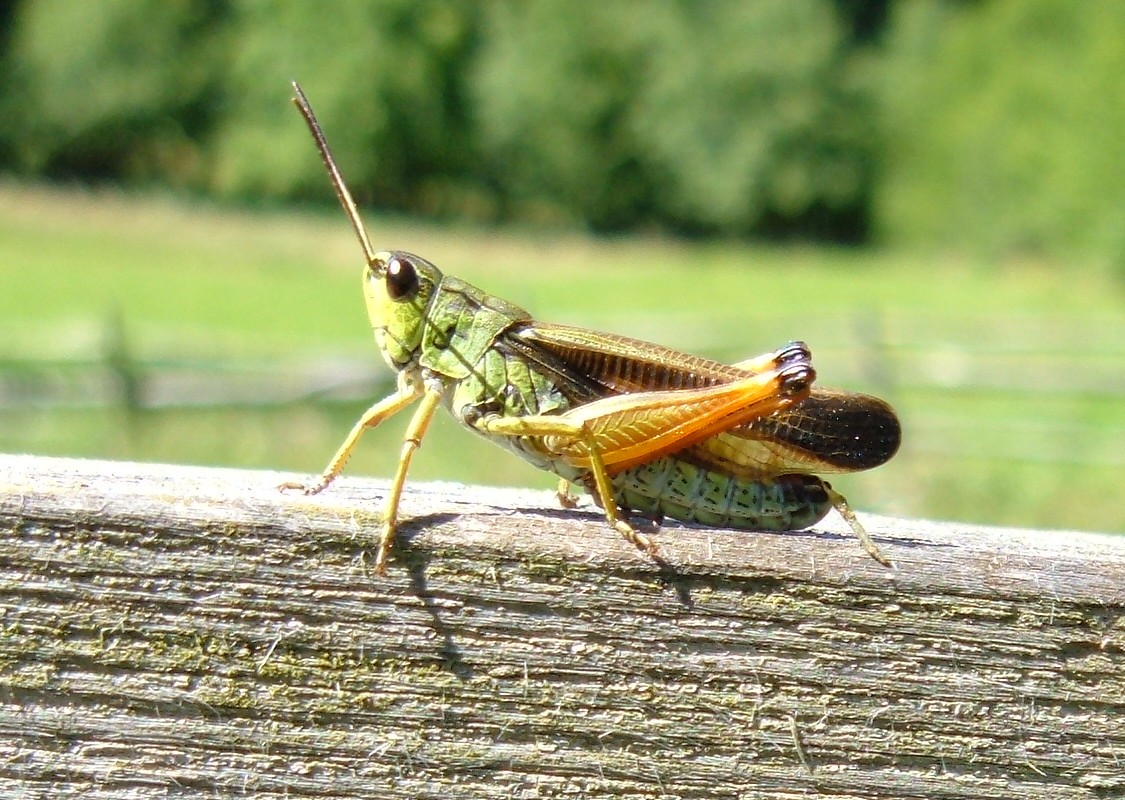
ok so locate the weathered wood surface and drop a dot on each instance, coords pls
(170, 631)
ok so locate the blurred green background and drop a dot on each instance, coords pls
(931, 193)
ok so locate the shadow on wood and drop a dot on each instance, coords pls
(173, 630)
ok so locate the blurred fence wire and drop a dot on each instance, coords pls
(1005, 387)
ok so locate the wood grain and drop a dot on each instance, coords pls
(174, 631)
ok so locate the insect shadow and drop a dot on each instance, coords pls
(417, 561)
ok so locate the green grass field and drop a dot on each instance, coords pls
(1009, 378)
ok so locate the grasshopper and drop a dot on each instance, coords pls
(643, 428)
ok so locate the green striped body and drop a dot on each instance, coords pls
(680, 490)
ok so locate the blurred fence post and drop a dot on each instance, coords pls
(119, 360)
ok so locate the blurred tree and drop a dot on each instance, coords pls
(762, 128)
(551, 89)
(8, 94)
(867, 19)
(721, 116)
(384, 78)
(113, 89)
(1003, 126)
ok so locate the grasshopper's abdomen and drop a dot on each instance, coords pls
(683, 491)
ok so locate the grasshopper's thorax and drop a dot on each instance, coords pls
(462, 326)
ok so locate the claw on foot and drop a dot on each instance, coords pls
(386, 539)
(566, 499)
(303, 488)
(864, 537)
(638, 539)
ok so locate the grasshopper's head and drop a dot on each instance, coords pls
(397, 288)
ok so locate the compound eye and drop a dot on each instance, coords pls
(402, 279)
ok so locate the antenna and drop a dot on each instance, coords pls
(338, 184)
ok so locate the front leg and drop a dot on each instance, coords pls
(415, 431)
(407, 393)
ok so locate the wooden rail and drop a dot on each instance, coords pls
(173, 631)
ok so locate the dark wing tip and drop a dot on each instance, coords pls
(844, 431)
